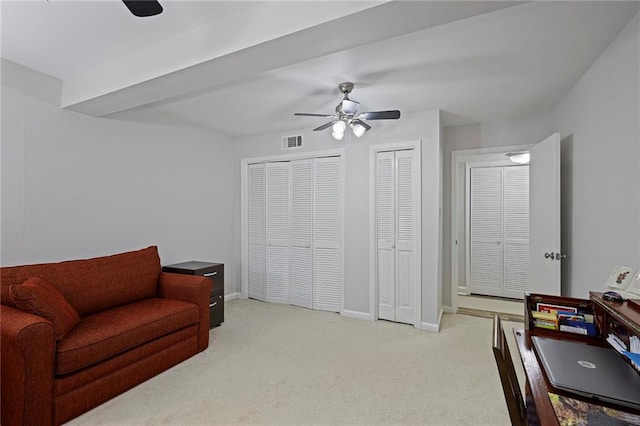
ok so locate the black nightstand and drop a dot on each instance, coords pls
(215, 271)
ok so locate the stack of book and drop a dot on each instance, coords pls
(563, 318)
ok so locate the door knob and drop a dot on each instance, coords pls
(549, 255)
(560, 256)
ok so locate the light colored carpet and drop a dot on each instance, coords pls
(272, 364)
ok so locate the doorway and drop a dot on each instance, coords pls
(544, 217)
(461, 162)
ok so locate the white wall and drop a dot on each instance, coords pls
(423, 126)
(598, 121)
(75, 186)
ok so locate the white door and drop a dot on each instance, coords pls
(301, 270)
(405, 238)
(327, 231)
(396, 239)
(256, 232)
(486, 231)
(385, 217)
(544, 205)
(499, 231)
(277, 232)
(515, 231)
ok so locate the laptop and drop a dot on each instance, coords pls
(591, 371)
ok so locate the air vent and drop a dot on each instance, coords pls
(289, 142)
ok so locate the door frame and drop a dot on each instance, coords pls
(373, 239)
(244, 246)
(461, 160)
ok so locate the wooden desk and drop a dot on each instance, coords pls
(608, 316)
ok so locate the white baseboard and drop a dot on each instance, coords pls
(427, 326)
(232, 296)
(357, 314)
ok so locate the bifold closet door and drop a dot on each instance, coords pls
(327, 228)
(256, 232)
(277, 232)
(301, 261)
(396, 242)
(516, 231)
(499, 251)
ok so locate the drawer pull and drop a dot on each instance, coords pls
(210, 274)
(213, 304)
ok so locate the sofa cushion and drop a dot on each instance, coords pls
(38, 297)
(108, 333)
(92, 285)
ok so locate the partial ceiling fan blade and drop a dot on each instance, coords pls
(143, 8)
(324, 126)
(305, 114)
(380, 115)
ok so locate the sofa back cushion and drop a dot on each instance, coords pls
(93, 285)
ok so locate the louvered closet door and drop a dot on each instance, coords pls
(256, 232)
(486, 231)
(277, 232)
(301, 261)
(405, 238)
(395, 228)
(327, 227)
(516, 231)
(385, 227)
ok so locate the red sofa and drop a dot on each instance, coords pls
(103, 325)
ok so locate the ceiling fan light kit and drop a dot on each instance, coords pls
(346, 116)
(519, 157)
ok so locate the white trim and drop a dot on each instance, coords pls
(232, 296)
(447, 310)
(295, 156)
(357, 314)
(416, 145)
(427, 326)
(244, 163)
(459, 160)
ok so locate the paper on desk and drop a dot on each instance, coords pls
(634, 357)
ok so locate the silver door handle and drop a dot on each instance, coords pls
(560, 256)
(549, 255)
(210, 274)
(213, 304)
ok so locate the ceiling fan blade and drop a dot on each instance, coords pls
(143, 8)
(324, 126)
(380, 115)
(305, 114)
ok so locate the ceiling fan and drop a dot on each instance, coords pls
(347, 116)
(143, 8)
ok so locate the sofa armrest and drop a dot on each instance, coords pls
(28, 353)
(190, 288)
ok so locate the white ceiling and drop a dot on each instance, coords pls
(244, 68)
